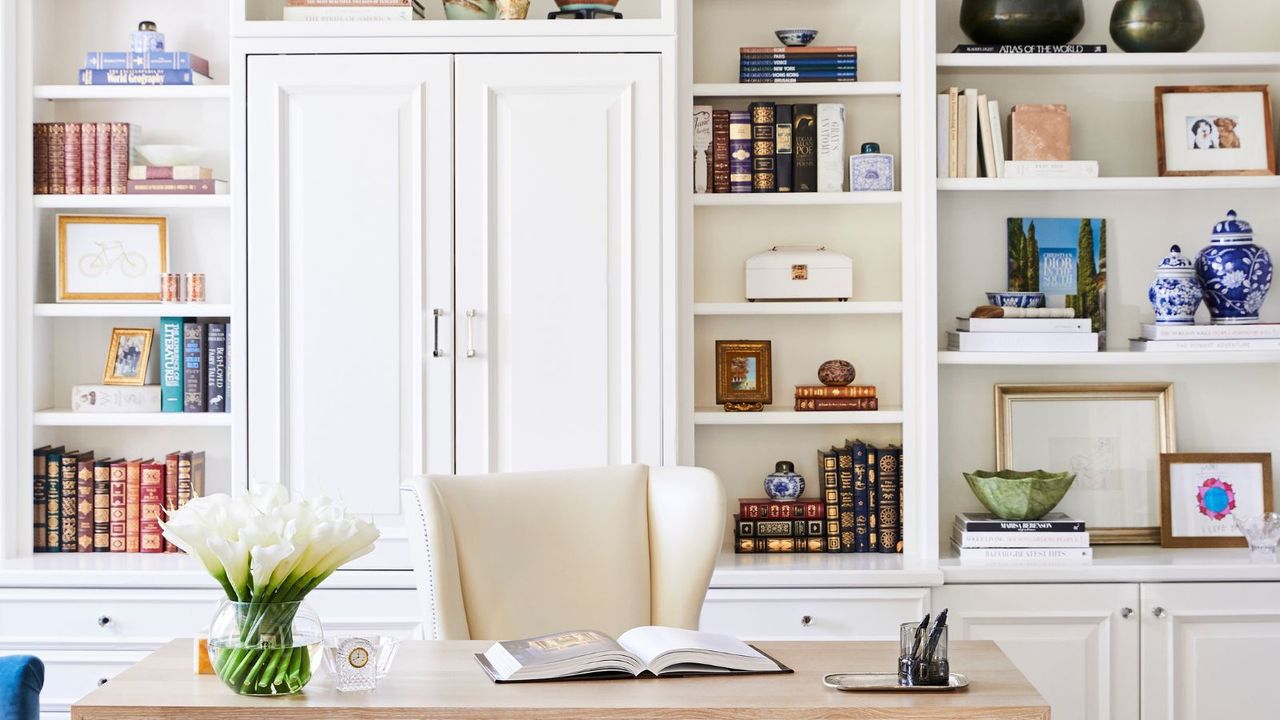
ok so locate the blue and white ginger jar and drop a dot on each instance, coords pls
(1176, 293)
(1234, 273)
(784, 483)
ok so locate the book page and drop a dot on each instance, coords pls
(560, 654)
(662, 648)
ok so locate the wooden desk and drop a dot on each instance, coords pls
(442, 680)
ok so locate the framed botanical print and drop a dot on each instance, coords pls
(1110, 435)
(1215, 130)
(127, 356)
(111, 257)
(744, 375)
(1202, 493)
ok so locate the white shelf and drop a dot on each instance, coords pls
(814, 198)
(121, 202)
(773, 90)
(66, 418)
(133, 310)
(153, 570)
(1127, 564)
(530, 28)
(823, 570)
(1115, 357)
(797, 308)
(132, 92)
(1113, 61)
(1110, 184)
(787, 416)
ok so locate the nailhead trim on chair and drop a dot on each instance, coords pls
(422, 514)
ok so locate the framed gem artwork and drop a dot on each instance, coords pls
(111, 257)
(744, 375)
(127, 356)
(1202, 493)
(1215, 130)
(1110, 435)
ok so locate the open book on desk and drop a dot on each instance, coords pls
(652, 650)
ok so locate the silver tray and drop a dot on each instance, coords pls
(887, 682)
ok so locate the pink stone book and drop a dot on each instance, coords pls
(1041, 132)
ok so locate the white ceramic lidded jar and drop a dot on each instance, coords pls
(1175, 294)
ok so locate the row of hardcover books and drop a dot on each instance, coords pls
(84, 504)
(149, 65)
(97, 158)
(193, 365)
(776, 148)
(860, 510)
(798, 64)
(824, 398)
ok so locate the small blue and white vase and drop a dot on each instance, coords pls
(1234, 273)
(1176, 293)
(784, 483)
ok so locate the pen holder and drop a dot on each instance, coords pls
(922, 659)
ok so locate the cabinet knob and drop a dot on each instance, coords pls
(102, 681)
(806, 620)
(103, 621)
(1126, 612)
(1159, 612)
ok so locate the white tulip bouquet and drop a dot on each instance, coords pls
(267, 553)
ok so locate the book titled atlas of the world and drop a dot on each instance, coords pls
(640, 652)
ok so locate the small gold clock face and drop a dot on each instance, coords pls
(358, 657)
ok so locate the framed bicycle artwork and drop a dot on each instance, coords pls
(111, 258)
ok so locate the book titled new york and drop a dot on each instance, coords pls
(216, 367)
(888, 485)
(764, 177)
(40, 499)
(84, 503)
(740, 169)
(720, 151)
(752, 508)
(154, 60)
(118, 503)
(783, 148)
(151, 497)
(102, 505)
(805, 140)
(833, 404)
(194, 372)
(835, 391)
(89, 76)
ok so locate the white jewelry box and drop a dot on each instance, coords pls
(799, 273)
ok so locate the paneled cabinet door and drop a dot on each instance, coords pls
(1078, 644)
(349, 251)
(1209, 651)
(558, 250)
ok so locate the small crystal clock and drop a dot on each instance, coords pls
(355, 669)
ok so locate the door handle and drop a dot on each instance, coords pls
(436, 314)
(471, 333)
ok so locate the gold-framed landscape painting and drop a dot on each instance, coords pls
(744, 374)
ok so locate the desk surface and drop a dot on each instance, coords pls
(443, 680)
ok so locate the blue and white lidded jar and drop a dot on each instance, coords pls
(146, 38)
(1234, 273)
(784, 483)
(1175, 294)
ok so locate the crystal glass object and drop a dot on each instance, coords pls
(358, 664)
(264, 648)
(1262, 532)
(922, 656)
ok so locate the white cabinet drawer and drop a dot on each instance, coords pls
(826, 614)
(53, 618)
(372, 612)
(70, 675)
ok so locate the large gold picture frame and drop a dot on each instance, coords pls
(1100, 465)
(132, 251)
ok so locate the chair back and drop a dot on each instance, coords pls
(21, 680)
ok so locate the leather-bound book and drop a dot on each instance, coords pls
(720, 151)
(53, 501)
(828, 464)
(873, 474)
(71, 157)
(804, 138)
(1041, 132)
(197, 473)
(88, 158)
(102, 505)
(70, 493)
(828, 391)
(40, 174)
(102, 164)
(859, 454)
(118, 514)
(836, 403)
(764, 171)
(784, 161)
(39, 499)
(151, 490)
(184, 478)
(123, 138)
(887, 483)
(133, 506)
(740, 168)
(848, 518)
(170, 491)
(84, 503)
(55, 150)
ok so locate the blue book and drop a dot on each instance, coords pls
(862, 459)
(815, 74)
(194, 378)
(171, 364)
(798, 62)
(155, 60)
(89, 76)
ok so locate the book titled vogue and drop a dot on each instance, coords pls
(643, 651)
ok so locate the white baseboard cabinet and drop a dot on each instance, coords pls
(818, 614)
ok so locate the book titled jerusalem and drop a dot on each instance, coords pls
(194, 373)
(89, 76)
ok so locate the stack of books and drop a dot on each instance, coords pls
(173, 180)
(824, 398)
(352, 10)
(770, 147)
(85, 504)
(798, 64)
(1023, 335)
(762, 525)
(1207, 338)
(154, 67)
(1055, 539)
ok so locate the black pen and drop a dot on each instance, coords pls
(935, 636)
(920, 630)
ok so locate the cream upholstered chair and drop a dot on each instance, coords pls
(522, 554)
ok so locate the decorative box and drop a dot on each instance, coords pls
(799, 273)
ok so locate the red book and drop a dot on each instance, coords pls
(152, 504)
(170, 491)
(837, 403)
(123, 137)
(133, 506)
(102, 163)
(84, 503)
(766, 509)
(844, 391)
(71, 157)
(56, 159)
(40, 159)
(117, 504)
(88, 158)
(102, 505)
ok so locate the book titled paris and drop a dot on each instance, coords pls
(1066, 259)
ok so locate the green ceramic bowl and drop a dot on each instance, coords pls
(1014, 495)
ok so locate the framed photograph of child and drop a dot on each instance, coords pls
(1202, 493)
(1214, 130)
(127, 356)
(744, 375)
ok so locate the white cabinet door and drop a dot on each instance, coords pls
(1073, 642)
(1209, 651)
(349, 250)
(558, 250)
(812, 613)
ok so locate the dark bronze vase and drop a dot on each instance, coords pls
(1022, 22)
(1157, 25)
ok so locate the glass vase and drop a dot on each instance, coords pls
(265, 648)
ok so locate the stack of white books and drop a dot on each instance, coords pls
(1204, 338)
(1023, 335)
(982, 539)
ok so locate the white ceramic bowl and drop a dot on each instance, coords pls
(165, 155)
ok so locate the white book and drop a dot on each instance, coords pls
(1022, 342)
(1051, 169)
(831, 147)
(997, 136)
(953, 133)
(115, 398)
(347, 13)
(1151, 331)
(1029, 557)
(944, 135)
(979, 540)
(1141, 345)
(1023, 325)
(971, 132)
(701, 146)
(959, 138)
(985, 140)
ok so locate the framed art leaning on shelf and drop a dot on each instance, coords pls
(1215, 130)
(1201, 495)
(111, 257)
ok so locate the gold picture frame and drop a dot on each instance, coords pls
(1213, 467)
(1100, 437)
(111, 258)
(744, 374)
(128, 356)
